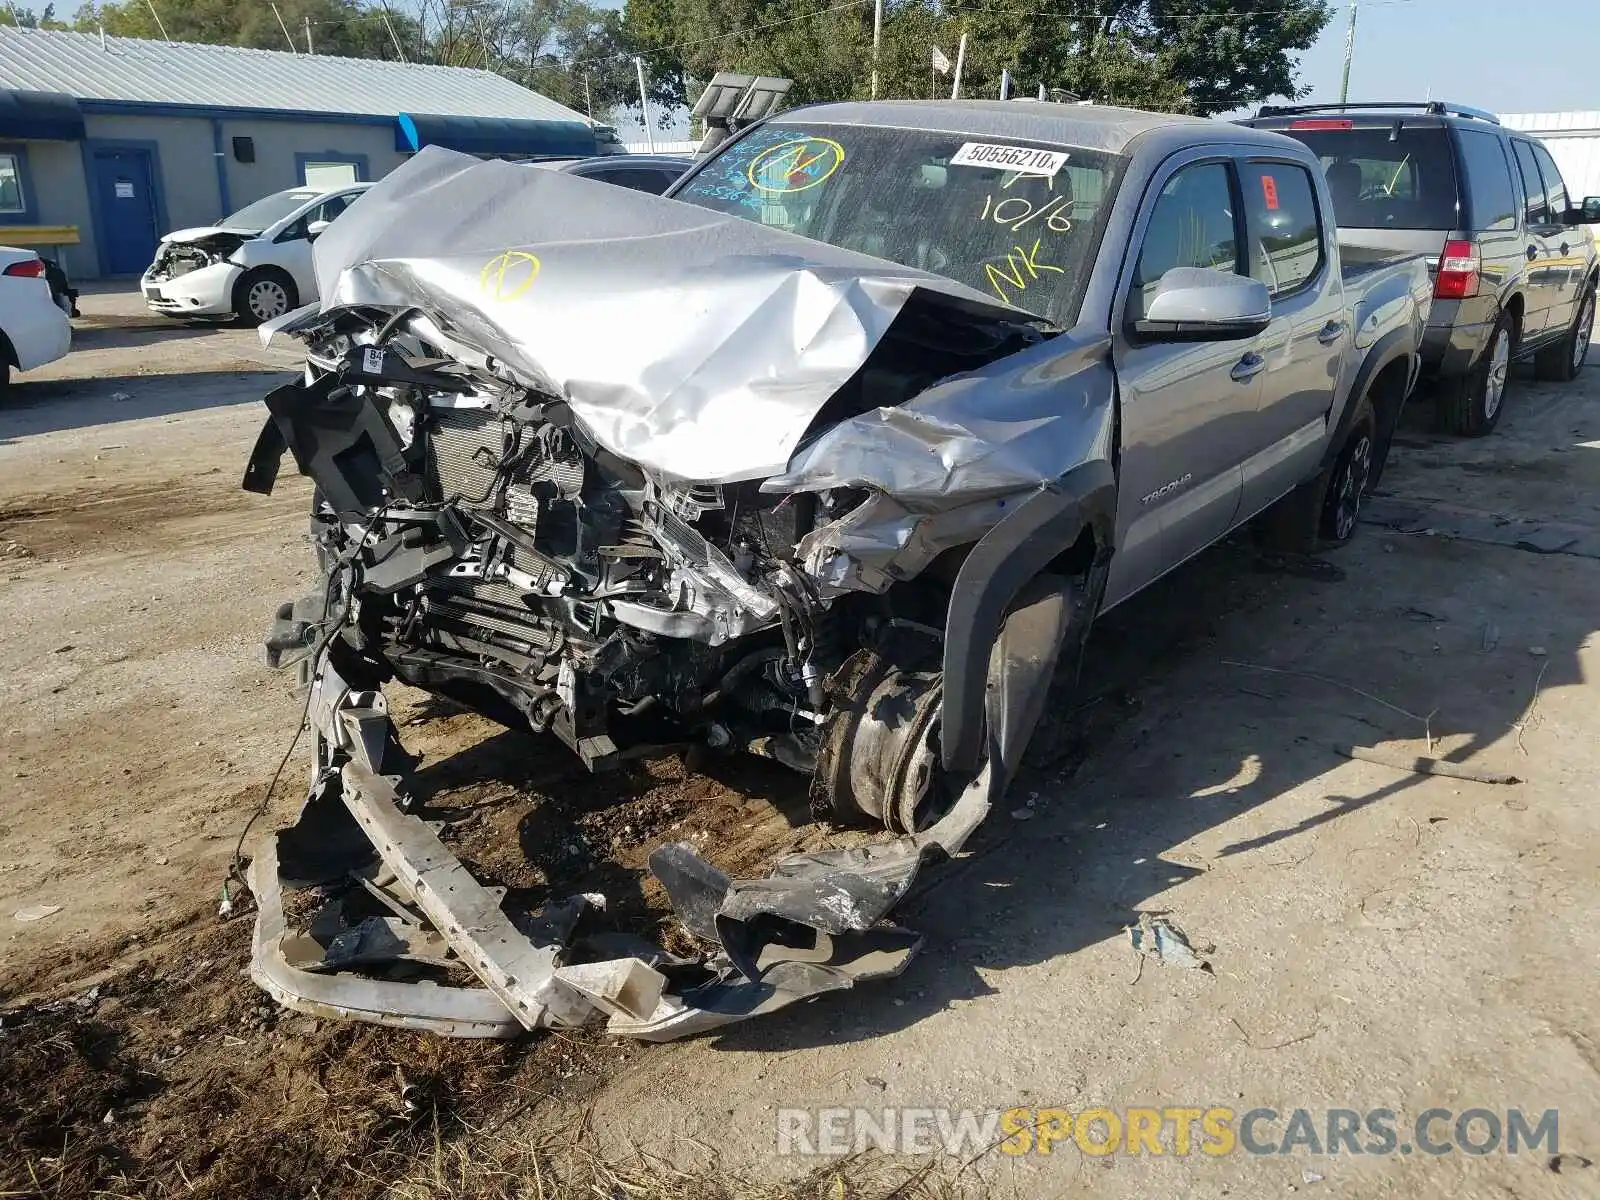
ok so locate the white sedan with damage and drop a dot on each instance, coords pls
(253, 265)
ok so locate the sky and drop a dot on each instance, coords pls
(1483, 53)
(1447, 49)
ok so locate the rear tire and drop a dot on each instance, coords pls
(1471, 406)
(8, 356)
(1562, 362)
(1324, 512)
(262, 294)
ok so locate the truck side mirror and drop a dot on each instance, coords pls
(1198, 304)
(1589, 214)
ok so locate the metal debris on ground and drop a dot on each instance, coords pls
(1158, 938)
(35, 912)
(1419, 765)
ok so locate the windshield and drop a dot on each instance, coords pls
(1018, 221)
(269, 210)
(1388, 177)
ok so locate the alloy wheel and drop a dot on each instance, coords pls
(1494, 385)
(1580, 344)
(1352, 482)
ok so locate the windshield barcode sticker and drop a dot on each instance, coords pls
(1026, 160)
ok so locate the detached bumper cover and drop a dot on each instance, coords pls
(817, 924)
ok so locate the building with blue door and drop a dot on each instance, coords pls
(108, 143)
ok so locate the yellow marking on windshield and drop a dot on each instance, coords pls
(1022, 268)
(795, 166)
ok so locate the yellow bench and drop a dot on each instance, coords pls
(38, 235)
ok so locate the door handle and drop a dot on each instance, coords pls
(1533, 253)
(1247, 367)
(1330, 333)
(1563, 249)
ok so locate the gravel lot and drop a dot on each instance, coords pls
(1377, 938)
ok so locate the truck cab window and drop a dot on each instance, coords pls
(1191, 226)
(1280, 205)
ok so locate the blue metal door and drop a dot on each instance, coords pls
(125, 196)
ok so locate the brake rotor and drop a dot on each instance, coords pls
(879, 760)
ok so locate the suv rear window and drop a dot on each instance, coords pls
(1387, 176)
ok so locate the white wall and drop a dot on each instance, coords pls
(1573, 139)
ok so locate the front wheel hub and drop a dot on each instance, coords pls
(880, 754)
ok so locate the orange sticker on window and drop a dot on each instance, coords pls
(1269, 190)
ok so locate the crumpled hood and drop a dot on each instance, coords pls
(201, 232)
(699, 345)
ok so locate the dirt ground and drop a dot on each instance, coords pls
(1377, 938)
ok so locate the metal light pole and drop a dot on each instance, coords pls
(1005, 83)
(961, 59)
(1349, 53)
(644, 106)
(877, 41)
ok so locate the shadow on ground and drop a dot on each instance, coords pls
(34, 407)
(1123, 777)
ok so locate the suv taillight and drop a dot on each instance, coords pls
(1459, 266)
(28, 268)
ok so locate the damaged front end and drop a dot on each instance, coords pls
(647, 495)
(180, 256)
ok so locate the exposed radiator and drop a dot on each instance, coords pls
(493, 605)
(464, 445)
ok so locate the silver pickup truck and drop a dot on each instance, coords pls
(833, 457)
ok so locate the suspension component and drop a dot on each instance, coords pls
(880, 747)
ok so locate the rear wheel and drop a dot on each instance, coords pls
(1471, 406)
(1324, 511)
(1352, 473)
(262, 294)
(1562, 361)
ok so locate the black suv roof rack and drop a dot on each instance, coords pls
(1437, 108)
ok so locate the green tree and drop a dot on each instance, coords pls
(337, 26)
(28, 19)
(1197, 56)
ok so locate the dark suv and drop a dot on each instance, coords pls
(1514, 264)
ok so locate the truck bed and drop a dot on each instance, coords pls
(1360, 261)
